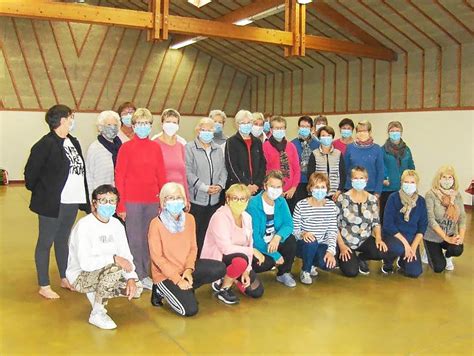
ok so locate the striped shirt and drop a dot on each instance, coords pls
(99, 166)
(321, 221)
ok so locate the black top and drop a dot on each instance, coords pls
(46, 173)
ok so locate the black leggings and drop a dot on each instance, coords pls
(436, 257)
(184, 302)
(287, 249)
(367, 251)
(255, 289)
(383, 201)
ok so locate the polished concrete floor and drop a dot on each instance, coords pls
(372, 314)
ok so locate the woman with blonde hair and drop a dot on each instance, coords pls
(446, 220)
(258, 126)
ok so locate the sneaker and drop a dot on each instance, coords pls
(363, 267)
(305, 277)
(314, 271)
(227, 296)
(387, 269)
(147, 283)
(216, 286)
(102, 320)
(287, 279)
(449, 264)
(424, 257)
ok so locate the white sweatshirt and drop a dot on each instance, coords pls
(93, 244)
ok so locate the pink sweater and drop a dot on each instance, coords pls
(175, 163)
(224, 237)
(273, 162)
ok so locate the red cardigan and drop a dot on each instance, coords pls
(273, 162)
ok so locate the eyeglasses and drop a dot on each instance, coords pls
(238, 199)
(143, 123)
(112, 201)
(173, 197)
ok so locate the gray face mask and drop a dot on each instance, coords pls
(110, 132)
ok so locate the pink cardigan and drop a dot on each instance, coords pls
(224, 237)
(273, 162)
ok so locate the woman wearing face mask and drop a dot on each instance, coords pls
(102, 153)
(258, 126)
(274, 244)
(319, 121)
(282, 155)
(365, 153)
(219, 118)
(360, 238)
(205, 169)
(305, 144)
(229, 239)
(126, 111)
(176, 271)
(405, 223)
(55, 174)
(315, 228)
(444, 238)
(266, 124)
(397, 158)
(100, 263)
(327, 159)
(243, 155)
(346, 127)
(139, 175)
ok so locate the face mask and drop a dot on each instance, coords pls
(363, 136)
(105, 211)
(266, 127)
(446, 183)
(206, 136)
(345, 133)
(127, 120)
(304, 132)
(110, 132)
(72, 125)
(142, 131)
(175, 207)
(395, 136)
(245, 129)
(257, 130)
(237, 207)
(326, 140)
(218, 127)
(170, 128)
(274, 193)
(319, 126)
(409, 188)
(279, 134)
(359, 184)
(319, 194)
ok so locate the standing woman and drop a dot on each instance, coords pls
(126, 111)
(258, 126)
(139, 175)
(346, 127)
(55, 174)
(397, 158)
(102, 153)
(205, 169)
(444, 238)
(219, 118)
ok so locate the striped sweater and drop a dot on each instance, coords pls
(99, 166)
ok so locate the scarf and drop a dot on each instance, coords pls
(171, 223)
(305, 154)
(408, 202)
(112, 147)
(280, 147)
(367, 143)
(447, 198)
(396, 149)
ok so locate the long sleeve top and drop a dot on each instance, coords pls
(272, 156)
(175, 166)
(99, 166)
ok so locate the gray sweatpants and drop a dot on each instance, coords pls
(137, 222)
(57, 231)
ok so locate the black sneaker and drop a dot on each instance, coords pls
(227, 296)
(156, 298)
(216, 286)
(387, 269)
(363, 267)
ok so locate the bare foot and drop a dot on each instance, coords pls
(48, 293)
(66, 285)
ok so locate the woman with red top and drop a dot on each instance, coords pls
(139, 175)
(346, 126)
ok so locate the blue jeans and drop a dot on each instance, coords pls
(396, 249)
(312, 254)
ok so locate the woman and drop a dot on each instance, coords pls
(139, 175)
(327, 159)
(446, 220)
(405, 223)
(315, 228)
(346, 127)
(219, 118)
(207, 176)
(365, 153)
(281, 155)
(319, 121)
(305, 144)
(126, 111)
(100, 263)
(243, 155)
(102, 154)
(360, 237)
(258, 126)
(397, 158)
(175, 270)
(229, 239)
(55, 175)
(266, 124)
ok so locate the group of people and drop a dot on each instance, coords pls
(170, 216)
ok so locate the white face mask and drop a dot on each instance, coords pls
(319, 126)
(170, 128)
(274, 193)
(446, 183)
(257, 130)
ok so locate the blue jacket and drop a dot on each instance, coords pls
(313, 144)
(393, 221)
(393, 171)
(283, 223)
(371, 158)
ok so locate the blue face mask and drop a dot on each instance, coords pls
(127, 120)
(304, 132)
(266, 127)
(206, 136)
(105, 211)
(142, 131)
(245, 129)
(359, 184)
(325, 140)
(218, 127)
(395, 136)
(257, 130)
(346, 133)
(72, 125)
(319, 194)
(174, 207)
(409, 188)
(279, 134)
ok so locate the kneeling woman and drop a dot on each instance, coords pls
(172, 239)
(229, 239)
(404, 223)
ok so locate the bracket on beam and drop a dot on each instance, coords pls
(295, 22)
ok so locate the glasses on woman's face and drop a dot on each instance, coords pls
(236, 199)
(173, 198)
(143, 123)
(105, 200)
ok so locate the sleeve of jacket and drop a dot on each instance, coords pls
(295, 165)
(380, 168)
(222, 179)
(389, 216)
(192, 178)
(253, 211)
(259, 174)
(347, 165)
(232, 163)
(297, 230)
(423, 220)
(411, 163)
(192, 255)
(286, 228)
(311, 165)
(430, 208)
(38, 156)
(342, 173)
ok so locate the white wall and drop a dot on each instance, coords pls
(435, 138)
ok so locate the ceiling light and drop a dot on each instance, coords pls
(270, 12)
(187, 42)
(243, 22)
(199, 3)
(304, 2)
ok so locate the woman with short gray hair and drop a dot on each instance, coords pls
(219, 118)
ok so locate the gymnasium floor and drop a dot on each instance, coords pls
(367, 315)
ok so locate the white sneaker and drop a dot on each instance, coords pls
(147, 283)
(449, 264)
(305, 278)
(287, 279)
(102, 320)
(424, 257)
(314, 271)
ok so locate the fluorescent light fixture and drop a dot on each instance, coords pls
(304, 2)
(270, 12)
(199, 3)
(187, 42)
(243, 22)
